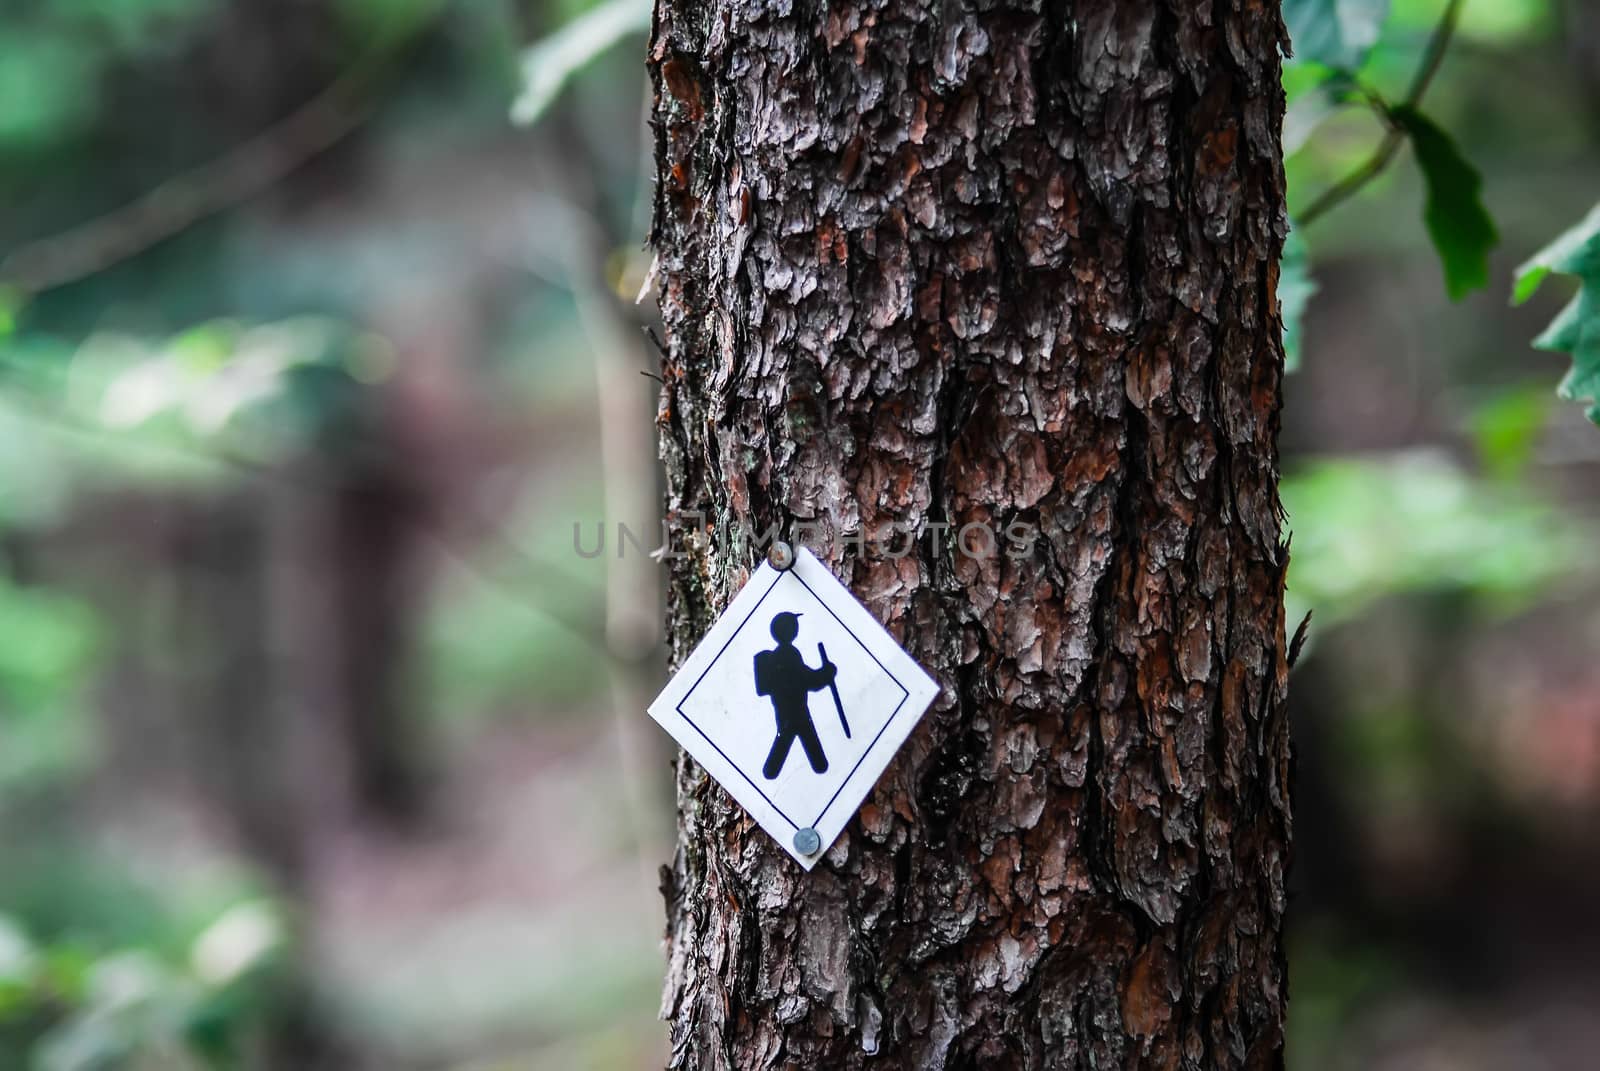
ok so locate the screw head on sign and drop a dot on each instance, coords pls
(807, 842)
(780, 556)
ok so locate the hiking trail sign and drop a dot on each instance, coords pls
(795, 701)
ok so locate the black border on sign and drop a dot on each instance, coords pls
(905, 693)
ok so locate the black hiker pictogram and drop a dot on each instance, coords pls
(783, 676)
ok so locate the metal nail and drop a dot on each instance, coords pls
(780, 556)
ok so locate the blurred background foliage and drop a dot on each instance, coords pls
(320, 745)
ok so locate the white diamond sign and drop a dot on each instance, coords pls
(795, 701)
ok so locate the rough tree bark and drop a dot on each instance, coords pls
(985, 261)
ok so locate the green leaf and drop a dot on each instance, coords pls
(18, 958)
(1367, 528)
(1295, 288)
(11, 303)
(1460, 226)
(48, 86)
(1576, 330)
(1335, 33)
(1314, 94)
(1506, 427)
(548, 64)
(1575, 252)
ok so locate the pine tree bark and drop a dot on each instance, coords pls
(977, 262)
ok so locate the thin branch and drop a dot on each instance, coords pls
(425, 519)
(1352, 183)
(1394, 137)
(1438, 45)
(243, 173)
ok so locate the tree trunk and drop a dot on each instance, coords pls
(952, 261)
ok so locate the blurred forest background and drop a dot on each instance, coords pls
(321, 747)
